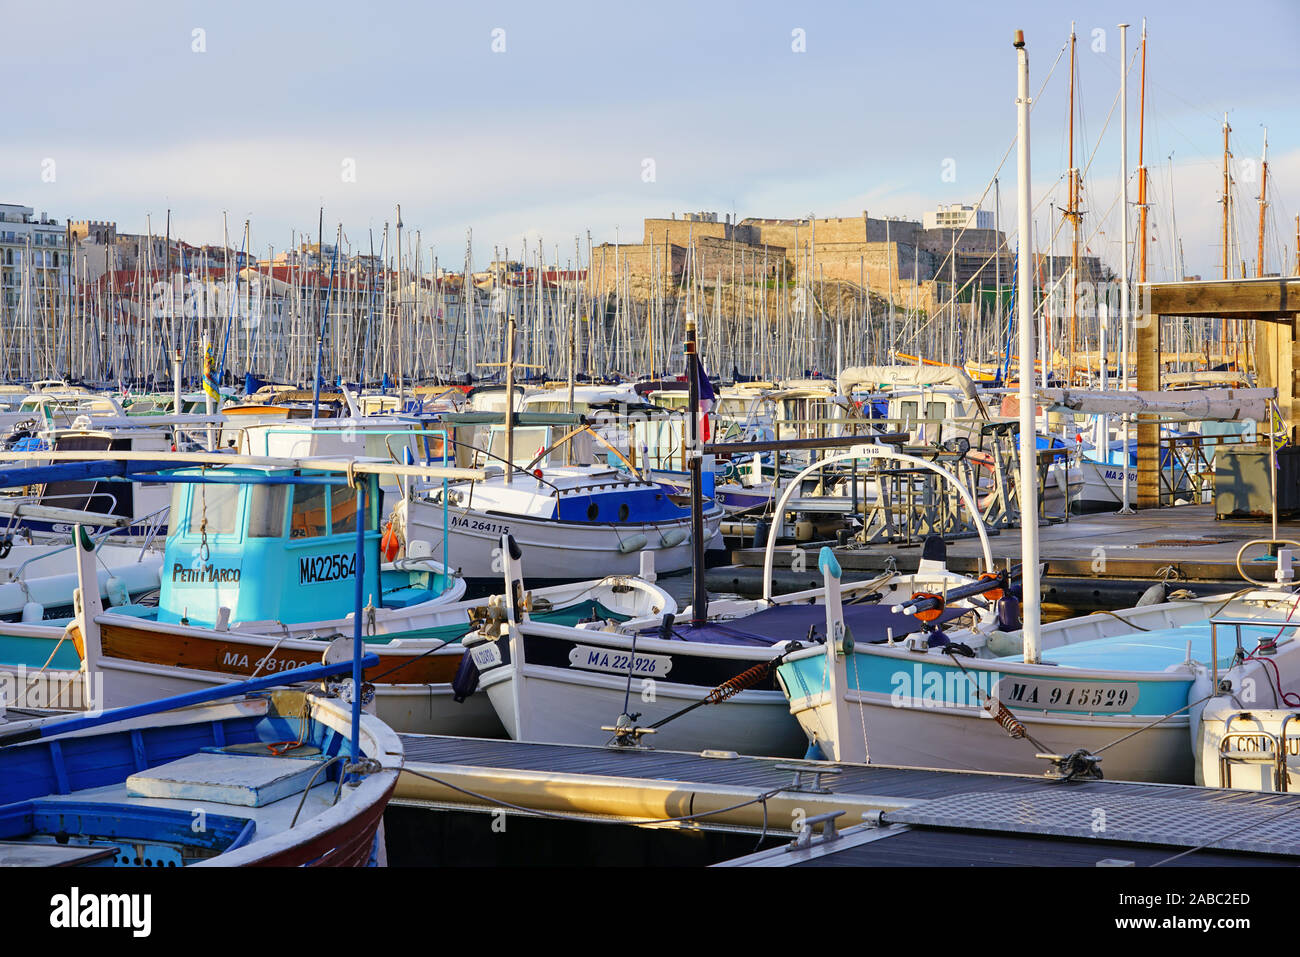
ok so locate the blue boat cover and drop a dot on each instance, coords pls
(868, 624)
(1160, 649)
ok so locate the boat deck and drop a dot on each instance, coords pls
(724, 791)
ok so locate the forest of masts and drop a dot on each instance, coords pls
(370, 318)
(393, 314)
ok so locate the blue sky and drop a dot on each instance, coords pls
(551, 136)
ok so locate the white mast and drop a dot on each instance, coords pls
(1025, 308)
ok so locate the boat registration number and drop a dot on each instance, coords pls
(603, 659)
(486, 656)
(473, 525)
(1114, 697)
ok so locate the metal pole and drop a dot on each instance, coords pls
(1125, 509)
(356, 617)
(1025, 306)
(699, 596)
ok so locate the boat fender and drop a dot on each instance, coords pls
(1201, 687)
(936, 639)
(1003, 645)
(115, 589)
(33, 611)
(674, 537)
(465, 683)
(1008, 610)
(633, 544)
(1155, 595)
(391, 543)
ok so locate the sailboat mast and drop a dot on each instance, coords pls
(1142, 169)
(1263, 205)
(1073, 213)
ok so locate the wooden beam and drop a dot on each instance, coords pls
(1224, 297)
(1275, 347)
(1147, 346)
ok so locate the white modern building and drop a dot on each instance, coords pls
(957, 216)
(33, 258)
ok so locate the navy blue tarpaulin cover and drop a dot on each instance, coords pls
(867, 623)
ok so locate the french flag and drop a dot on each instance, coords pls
(706, 398)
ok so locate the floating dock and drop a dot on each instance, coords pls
(981, 817)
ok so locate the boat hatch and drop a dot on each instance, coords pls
(244, 780)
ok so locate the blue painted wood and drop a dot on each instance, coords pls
(133, 822)
(60, 769)
(137, 746)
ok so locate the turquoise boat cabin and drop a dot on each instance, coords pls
(278, 546)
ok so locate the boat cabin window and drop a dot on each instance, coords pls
(218, 505)
(343, 509)
(310, 516)
(266, 510)
(907, 412)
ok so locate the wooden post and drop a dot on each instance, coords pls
(1147, 345)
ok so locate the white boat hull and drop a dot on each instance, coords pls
(572, 707)
(967, 739)
(552, 550)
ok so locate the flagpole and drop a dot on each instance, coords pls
(699, 596)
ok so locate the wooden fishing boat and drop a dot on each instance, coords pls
(273, 593)
(570, 684)
(266, 779)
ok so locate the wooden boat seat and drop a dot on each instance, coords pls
(242, 780)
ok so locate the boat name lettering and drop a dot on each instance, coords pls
(204, 574)
(1265, 743)
(327, 568)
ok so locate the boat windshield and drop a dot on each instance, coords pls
(214, 509)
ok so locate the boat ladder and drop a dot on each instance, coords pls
(1256, 747)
